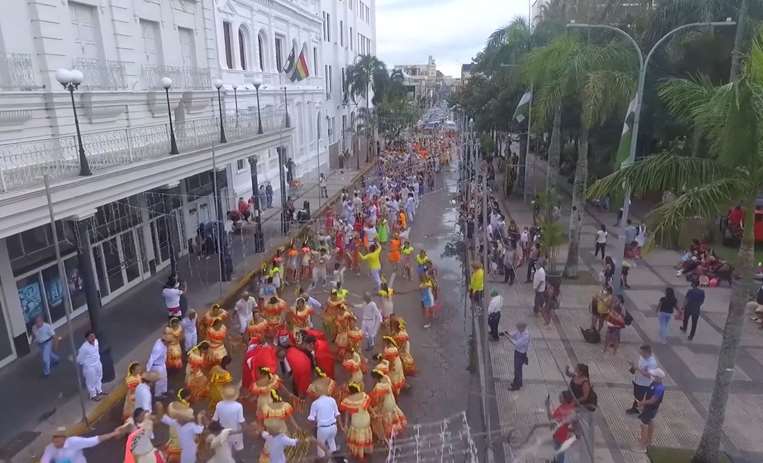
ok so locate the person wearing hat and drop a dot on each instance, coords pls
(494, 313)
(65, 449)
(230, 415)
(89, 359)
(649, 406)
(157, 363)
(143, 398)
(324, 413)
(187, 430)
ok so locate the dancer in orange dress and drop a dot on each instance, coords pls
(321, 385)
(260, 389)
(396, 372)
(274, 311)
(394, 251)
(258, 327)
(216, 337)
(209, 318)
(300, 316)
(196, 380)
(181, 411)
(401, 337)
(277, 413)
(388, 420)
(333, 308)
(132, 379)
(343, 323)
(357, 422)
(173, 332)
(219, 376)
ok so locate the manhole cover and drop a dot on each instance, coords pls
(16, 443)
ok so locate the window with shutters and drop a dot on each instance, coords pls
(279, 54)
(85, 31)
(187, 47)
(152, 42)
(261, 50)
(228, 44)
(341, 33)
(315, 60)
(243, 47)
(350, 37)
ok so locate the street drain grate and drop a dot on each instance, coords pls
(16, 444)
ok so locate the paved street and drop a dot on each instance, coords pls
(130, 324)
(690, 365)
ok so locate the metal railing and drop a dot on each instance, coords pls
(183, 77)
(23, 164)
(17, 72)
(101, 74)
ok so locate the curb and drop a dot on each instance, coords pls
(116, 396)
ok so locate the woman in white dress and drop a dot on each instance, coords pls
(217, 440)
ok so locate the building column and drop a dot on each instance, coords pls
(145, 229)
(84, 251)
(14, 314)
(223, 247)
(281, 150)
(171, 229)
(255, 181)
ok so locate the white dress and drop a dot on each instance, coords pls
(219, 444)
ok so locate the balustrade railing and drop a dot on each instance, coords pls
(101, 74)
(183, 77)
(16, 72)
(23, 164)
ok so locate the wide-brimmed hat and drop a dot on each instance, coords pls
(150, 376)
(180, 411)
(60, 432)
(229, 392)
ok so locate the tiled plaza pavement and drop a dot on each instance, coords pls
(690, 365)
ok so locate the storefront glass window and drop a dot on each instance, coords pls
(54, 293)
(30, 296)
(113, 264)
(75, 282)
(132, 267)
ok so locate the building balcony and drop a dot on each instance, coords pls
(17, 72)
(101, 74)
(24, 164)
(183, 77)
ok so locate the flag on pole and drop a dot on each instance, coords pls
(523, 108)
(624, 149)
(301, 70)
(289, 65)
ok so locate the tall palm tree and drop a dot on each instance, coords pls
(359, 79)
(730, 117)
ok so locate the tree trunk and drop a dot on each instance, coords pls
(736, 54)
(578, 196)
(708, 450)
(554, 151)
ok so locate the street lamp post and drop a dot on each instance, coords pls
(235, 98)
(287, 124)
(167, 83)
(257, 85)
(643, 65)
(70, 80)
(218, 86)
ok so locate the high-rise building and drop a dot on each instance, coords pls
(124, 205)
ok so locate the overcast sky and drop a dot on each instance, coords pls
(452, 31)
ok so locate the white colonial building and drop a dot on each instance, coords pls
(349, 31)
(120, 225)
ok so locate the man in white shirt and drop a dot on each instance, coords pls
(276, 444)
(171, 295)
(641, 377)
(46, 339)
(245, 310)
(64, 449)
(89, 360)
(143, 397)
(190, 336)
(312, 302)
(157, 362)
(230, 413)
(324, 413)
(521, 340)
(187, 432)
(539, 286)
(494, 313)
(370, 321)
(601, 242)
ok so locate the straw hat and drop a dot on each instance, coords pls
(150, 376)
(180, 411)
(60, 432)
(229, 392)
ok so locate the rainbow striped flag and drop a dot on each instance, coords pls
(301, 70)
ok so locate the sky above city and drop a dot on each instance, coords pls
(452, 31)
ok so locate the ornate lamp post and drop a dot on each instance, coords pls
(257, 85)
(70, 80)
(218, 86)
(167, 83)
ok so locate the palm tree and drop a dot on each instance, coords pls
(730, 117)
(359, 79)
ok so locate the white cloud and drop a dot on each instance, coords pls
(452, 31)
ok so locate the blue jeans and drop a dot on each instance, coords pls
(664, 319)
(559, 457)
(49, 358)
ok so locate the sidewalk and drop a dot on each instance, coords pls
(691, 366)
(130, 325)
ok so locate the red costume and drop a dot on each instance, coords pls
(257, 356)
(323, 356)
(301, 369)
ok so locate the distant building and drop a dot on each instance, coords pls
(421, 79)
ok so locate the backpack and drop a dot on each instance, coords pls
(628, 318)
(590, 335)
